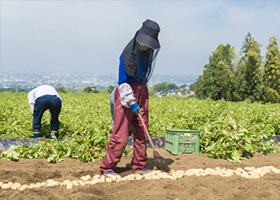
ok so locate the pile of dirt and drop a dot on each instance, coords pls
(189, 187)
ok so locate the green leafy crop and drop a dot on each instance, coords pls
(228, 130)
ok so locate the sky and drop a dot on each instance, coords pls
(87, 37)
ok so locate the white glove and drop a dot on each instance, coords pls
(126, 96)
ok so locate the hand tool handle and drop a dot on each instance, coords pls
(146, 130)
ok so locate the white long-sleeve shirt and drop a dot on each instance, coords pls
(41, 91)
(126, 96)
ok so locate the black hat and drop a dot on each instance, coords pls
(148, 34)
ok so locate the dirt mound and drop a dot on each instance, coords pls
(189, 187)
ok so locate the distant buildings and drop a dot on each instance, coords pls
(173, 92)
(159, 94)
(32, 80)
(28, 80)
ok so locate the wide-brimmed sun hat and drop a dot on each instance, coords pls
(148, 34)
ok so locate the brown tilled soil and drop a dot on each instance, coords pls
(186, 188)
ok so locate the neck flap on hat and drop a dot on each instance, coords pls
(139, 64)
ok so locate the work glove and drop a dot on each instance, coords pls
(135, 108)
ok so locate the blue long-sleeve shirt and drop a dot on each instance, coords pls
(123, 77)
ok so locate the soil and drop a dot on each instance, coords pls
(189, 187)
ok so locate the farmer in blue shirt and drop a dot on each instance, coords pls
(131, 97)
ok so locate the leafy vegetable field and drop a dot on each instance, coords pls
(228, 130)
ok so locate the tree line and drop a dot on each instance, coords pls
(247, 76)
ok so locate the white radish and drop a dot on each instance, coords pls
(44, 184)
(86, 178)
(16, 186)
(69, 186)
(75, 183)
(52, 184)
(49, 181)
(94, 181)
(23, 187)
(7, 186)
(109, 180)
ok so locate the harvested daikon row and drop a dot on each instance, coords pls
(247, 172)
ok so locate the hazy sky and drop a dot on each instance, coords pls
(89, 36)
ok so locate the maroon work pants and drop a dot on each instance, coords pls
(123, 119)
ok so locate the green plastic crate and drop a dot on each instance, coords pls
(182, 141)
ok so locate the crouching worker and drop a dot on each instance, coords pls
(131, 97)
(44, 98)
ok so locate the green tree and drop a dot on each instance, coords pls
(110, 89)
(272, 95)
(69, 90)
(272, 68)
(252, 61)
(239, 92)
(90, 89)
(164, 86)
(61, 89)
(216, 81)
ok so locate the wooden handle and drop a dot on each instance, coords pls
(146, 130)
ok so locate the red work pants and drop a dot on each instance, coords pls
(123, 119)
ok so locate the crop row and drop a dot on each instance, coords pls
(229, 130)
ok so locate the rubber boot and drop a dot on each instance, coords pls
(36, 133)
(53, 133)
